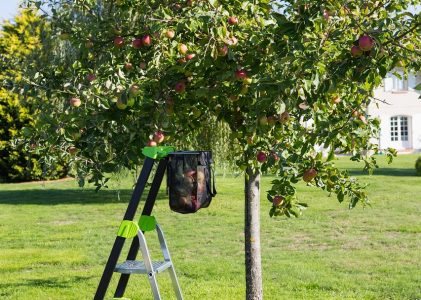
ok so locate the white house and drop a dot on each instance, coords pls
(401, 116)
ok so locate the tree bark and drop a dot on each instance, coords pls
(253, 262)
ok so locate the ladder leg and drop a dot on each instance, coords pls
(147, 210)
(154, 286)
(175, 284)
(119, 242)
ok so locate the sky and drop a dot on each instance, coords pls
(8, 8)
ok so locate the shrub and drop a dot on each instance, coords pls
(17, 41)
(418, 166)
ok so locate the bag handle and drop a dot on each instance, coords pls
(213, 193)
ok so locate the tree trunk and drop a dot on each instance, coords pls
(254, 287)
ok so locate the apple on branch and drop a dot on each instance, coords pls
(261, 157)
(180, 87)
(284, 117)
(151, 143)
(75, 102)
(223, 50)
(182, 48)
(356, 51)
(240, 74)
(278, 200)
(137, 43)
(309, 175)
(118, 41)
(146, 40)
(233, 20)
(366, 42)
(170, 33)
(158, 137)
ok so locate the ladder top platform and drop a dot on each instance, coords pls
(138, 267)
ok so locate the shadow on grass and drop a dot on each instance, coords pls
(70, 196)
(385, 172)
(48, 283)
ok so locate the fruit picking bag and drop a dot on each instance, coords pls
(191, 180)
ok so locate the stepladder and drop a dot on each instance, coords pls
(147, 266)
(153, 155)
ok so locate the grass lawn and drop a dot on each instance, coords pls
(55, 239)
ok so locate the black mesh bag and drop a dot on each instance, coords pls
(191, 180)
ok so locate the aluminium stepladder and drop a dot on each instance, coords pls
(153, 154)
(148, 267)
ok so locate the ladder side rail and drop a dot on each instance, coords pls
(147, 210)
(163, 243)
(145, 252)
(119, 241)
(167, 257)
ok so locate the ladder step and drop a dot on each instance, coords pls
(138, 267)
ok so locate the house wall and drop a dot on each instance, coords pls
(401, 104)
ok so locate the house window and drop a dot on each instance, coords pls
(400, 84)
(399, 128)
(393, 83)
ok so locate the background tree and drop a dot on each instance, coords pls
(18, 40)
(285, 78)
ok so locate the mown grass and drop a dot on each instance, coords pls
(55, 239)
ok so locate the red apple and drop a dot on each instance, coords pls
(271, 120)
(234, 41)
(233, 20)
(170, 33)
(355, 113)
(128, 66)
(233, 98)
(137, 43)
(240, 74)
(146, 40)
(75, 102)
(335, 99)
(326, 15)
(309, 175)
(356, 51)
(89, 44)
(158, 137)
(151, 143)
(142, 65)
(223, 51)
(134, 90)
(190, 56)
(190, 173)
(363, 119)
(182, 60)
(182, 48)
(180, 87)
(261, 157)
(274, 156)
(278, 200)
(90, 77)
(118, 41)
(72, 150)
(284, 117)
(365, 42)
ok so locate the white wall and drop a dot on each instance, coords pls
(402, 103)
(416, 130)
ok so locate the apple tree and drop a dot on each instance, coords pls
(287, 79)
